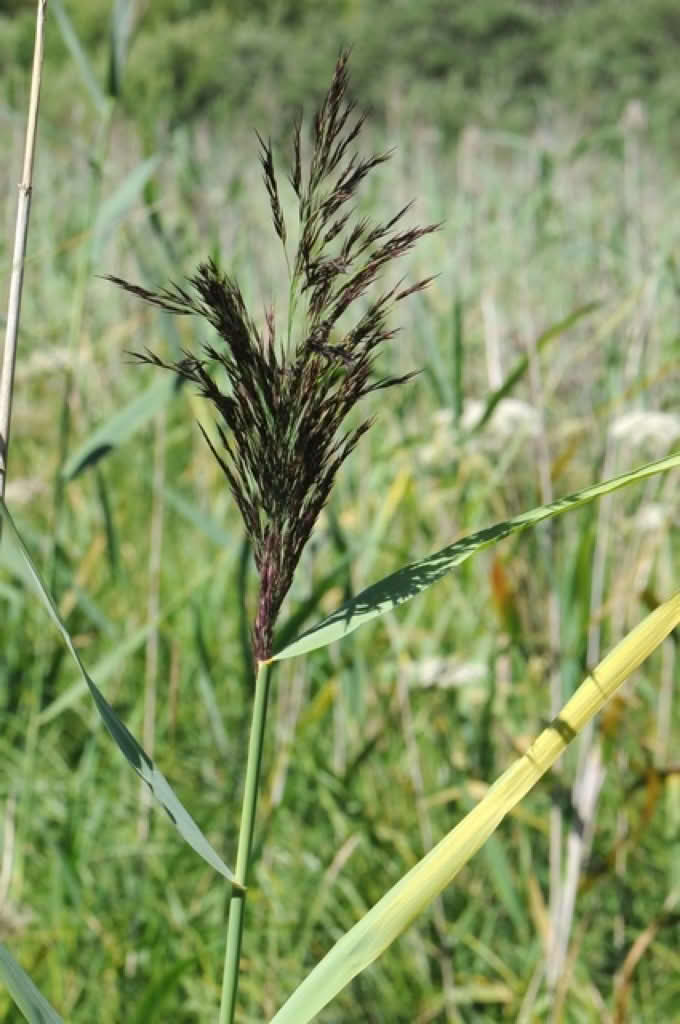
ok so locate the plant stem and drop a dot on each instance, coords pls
(20, 236)
(245, 839)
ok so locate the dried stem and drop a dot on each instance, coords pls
(19, 255)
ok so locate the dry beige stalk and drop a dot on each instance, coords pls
(18, 258)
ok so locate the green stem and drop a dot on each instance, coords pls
(245, 839)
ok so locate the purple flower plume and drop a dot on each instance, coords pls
(280, 421)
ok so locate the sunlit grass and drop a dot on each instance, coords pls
(364, 763)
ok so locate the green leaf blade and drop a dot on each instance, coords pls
(397, 909)
(25, 994)
(394, 590)
(125, 741)
(118, 204)
(80, 57)
(120, 427)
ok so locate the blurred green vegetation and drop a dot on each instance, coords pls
(449, 61)
(540, 135)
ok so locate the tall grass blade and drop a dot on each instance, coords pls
(112, 545)
(458, 356)
(497, 864)
(120, 427)
(522, 364)
(115, 207)
(123, 738)
(122, 21)
(386, 921)
(82, 61)
(28, 998)
(392, 591)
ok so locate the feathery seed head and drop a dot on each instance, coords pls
(280, 422)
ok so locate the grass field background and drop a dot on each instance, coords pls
(375, 747)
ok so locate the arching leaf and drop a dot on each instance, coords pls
(125, 741)
(392, 915)
(120, 426)
(387, 594)
(28, 998)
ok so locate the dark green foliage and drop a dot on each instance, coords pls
(448, 60)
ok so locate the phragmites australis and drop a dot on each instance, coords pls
(280, 422)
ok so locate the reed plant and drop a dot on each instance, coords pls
(285, 394)
(291, 388)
